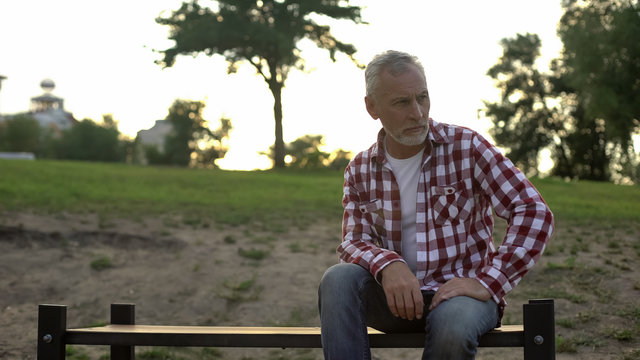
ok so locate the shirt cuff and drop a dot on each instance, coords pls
(377, 270)
(495, 281)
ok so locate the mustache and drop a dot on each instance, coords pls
(424, 123)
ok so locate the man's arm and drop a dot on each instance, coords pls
(359, 246)
(530, 222)
(460, 287)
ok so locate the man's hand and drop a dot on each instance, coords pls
(403, 291)
(460, 287)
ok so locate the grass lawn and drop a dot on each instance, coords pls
(127, 191)
(234, 197)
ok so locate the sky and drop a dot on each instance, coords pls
(101, 54)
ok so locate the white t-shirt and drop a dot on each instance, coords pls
(407, 174)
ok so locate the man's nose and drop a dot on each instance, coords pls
(415, 110)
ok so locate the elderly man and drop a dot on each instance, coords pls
(417, 251)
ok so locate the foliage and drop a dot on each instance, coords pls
(340, 159)
(20, 134)
(523, 112)
(264, 33)
(155, 156)
(586, 110)
(191, 142)
(601, 60)
(305, 153)
(90, 141)
(85, 140)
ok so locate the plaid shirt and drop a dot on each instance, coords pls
(462, 178)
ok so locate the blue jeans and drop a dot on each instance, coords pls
(350, 299)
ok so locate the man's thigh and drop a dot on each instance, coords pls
(464, 313)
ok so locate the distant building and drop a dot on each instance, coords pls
(48, 110)
(153, 137)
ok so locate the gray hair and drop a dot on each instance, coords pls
(396, 61)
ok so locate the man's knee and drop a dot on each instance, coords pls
(342, 275)
(340, 285)
(455, 325)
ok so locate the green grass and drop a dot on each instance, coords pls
(234, 197)
(101, 263)
(236, 291)
(253, 254)
(119, 190)
(589, 201)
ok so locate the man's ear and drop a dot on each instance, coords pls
(371, 107)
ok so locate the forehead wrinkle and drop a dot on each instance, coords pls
(415, 86)
(400, 94)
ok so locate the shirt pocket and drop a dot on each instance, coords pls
(374, 214)
(451, 203)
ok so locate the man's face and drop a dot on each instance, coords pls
(402, 104)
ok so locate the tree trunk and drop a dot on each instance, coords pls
(278, 157)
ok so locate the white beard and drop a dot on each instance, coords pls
(411, 140)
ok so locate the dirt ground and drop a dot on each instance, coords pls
(205, 274)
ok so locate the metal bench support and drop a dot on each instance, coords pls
(539, 330)
(123, 314)
(52, 326)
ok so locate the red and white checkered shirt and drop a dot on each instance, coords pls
(462, 178)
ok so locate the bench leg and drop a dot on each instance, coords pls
(52, 325)
(123, 314)
(539, 330)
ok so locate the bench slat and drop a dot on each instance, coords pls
(267, 337)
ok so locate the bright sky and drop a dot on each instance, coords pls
(100, 55)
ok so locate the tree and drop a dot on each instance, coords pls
(586, 109)
(340, 159)
(523, 121)
(211, 146)
(89, 141)
(600, 69)
(601, 57)
(305, 153)
(191, 142)
(20, 134)
(264, 33)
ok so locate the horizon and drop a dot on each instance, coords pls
(84, 57)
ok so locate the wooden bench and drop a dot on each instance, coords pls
(536, 336)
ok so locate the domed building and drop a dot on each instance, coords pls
(48, 109)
